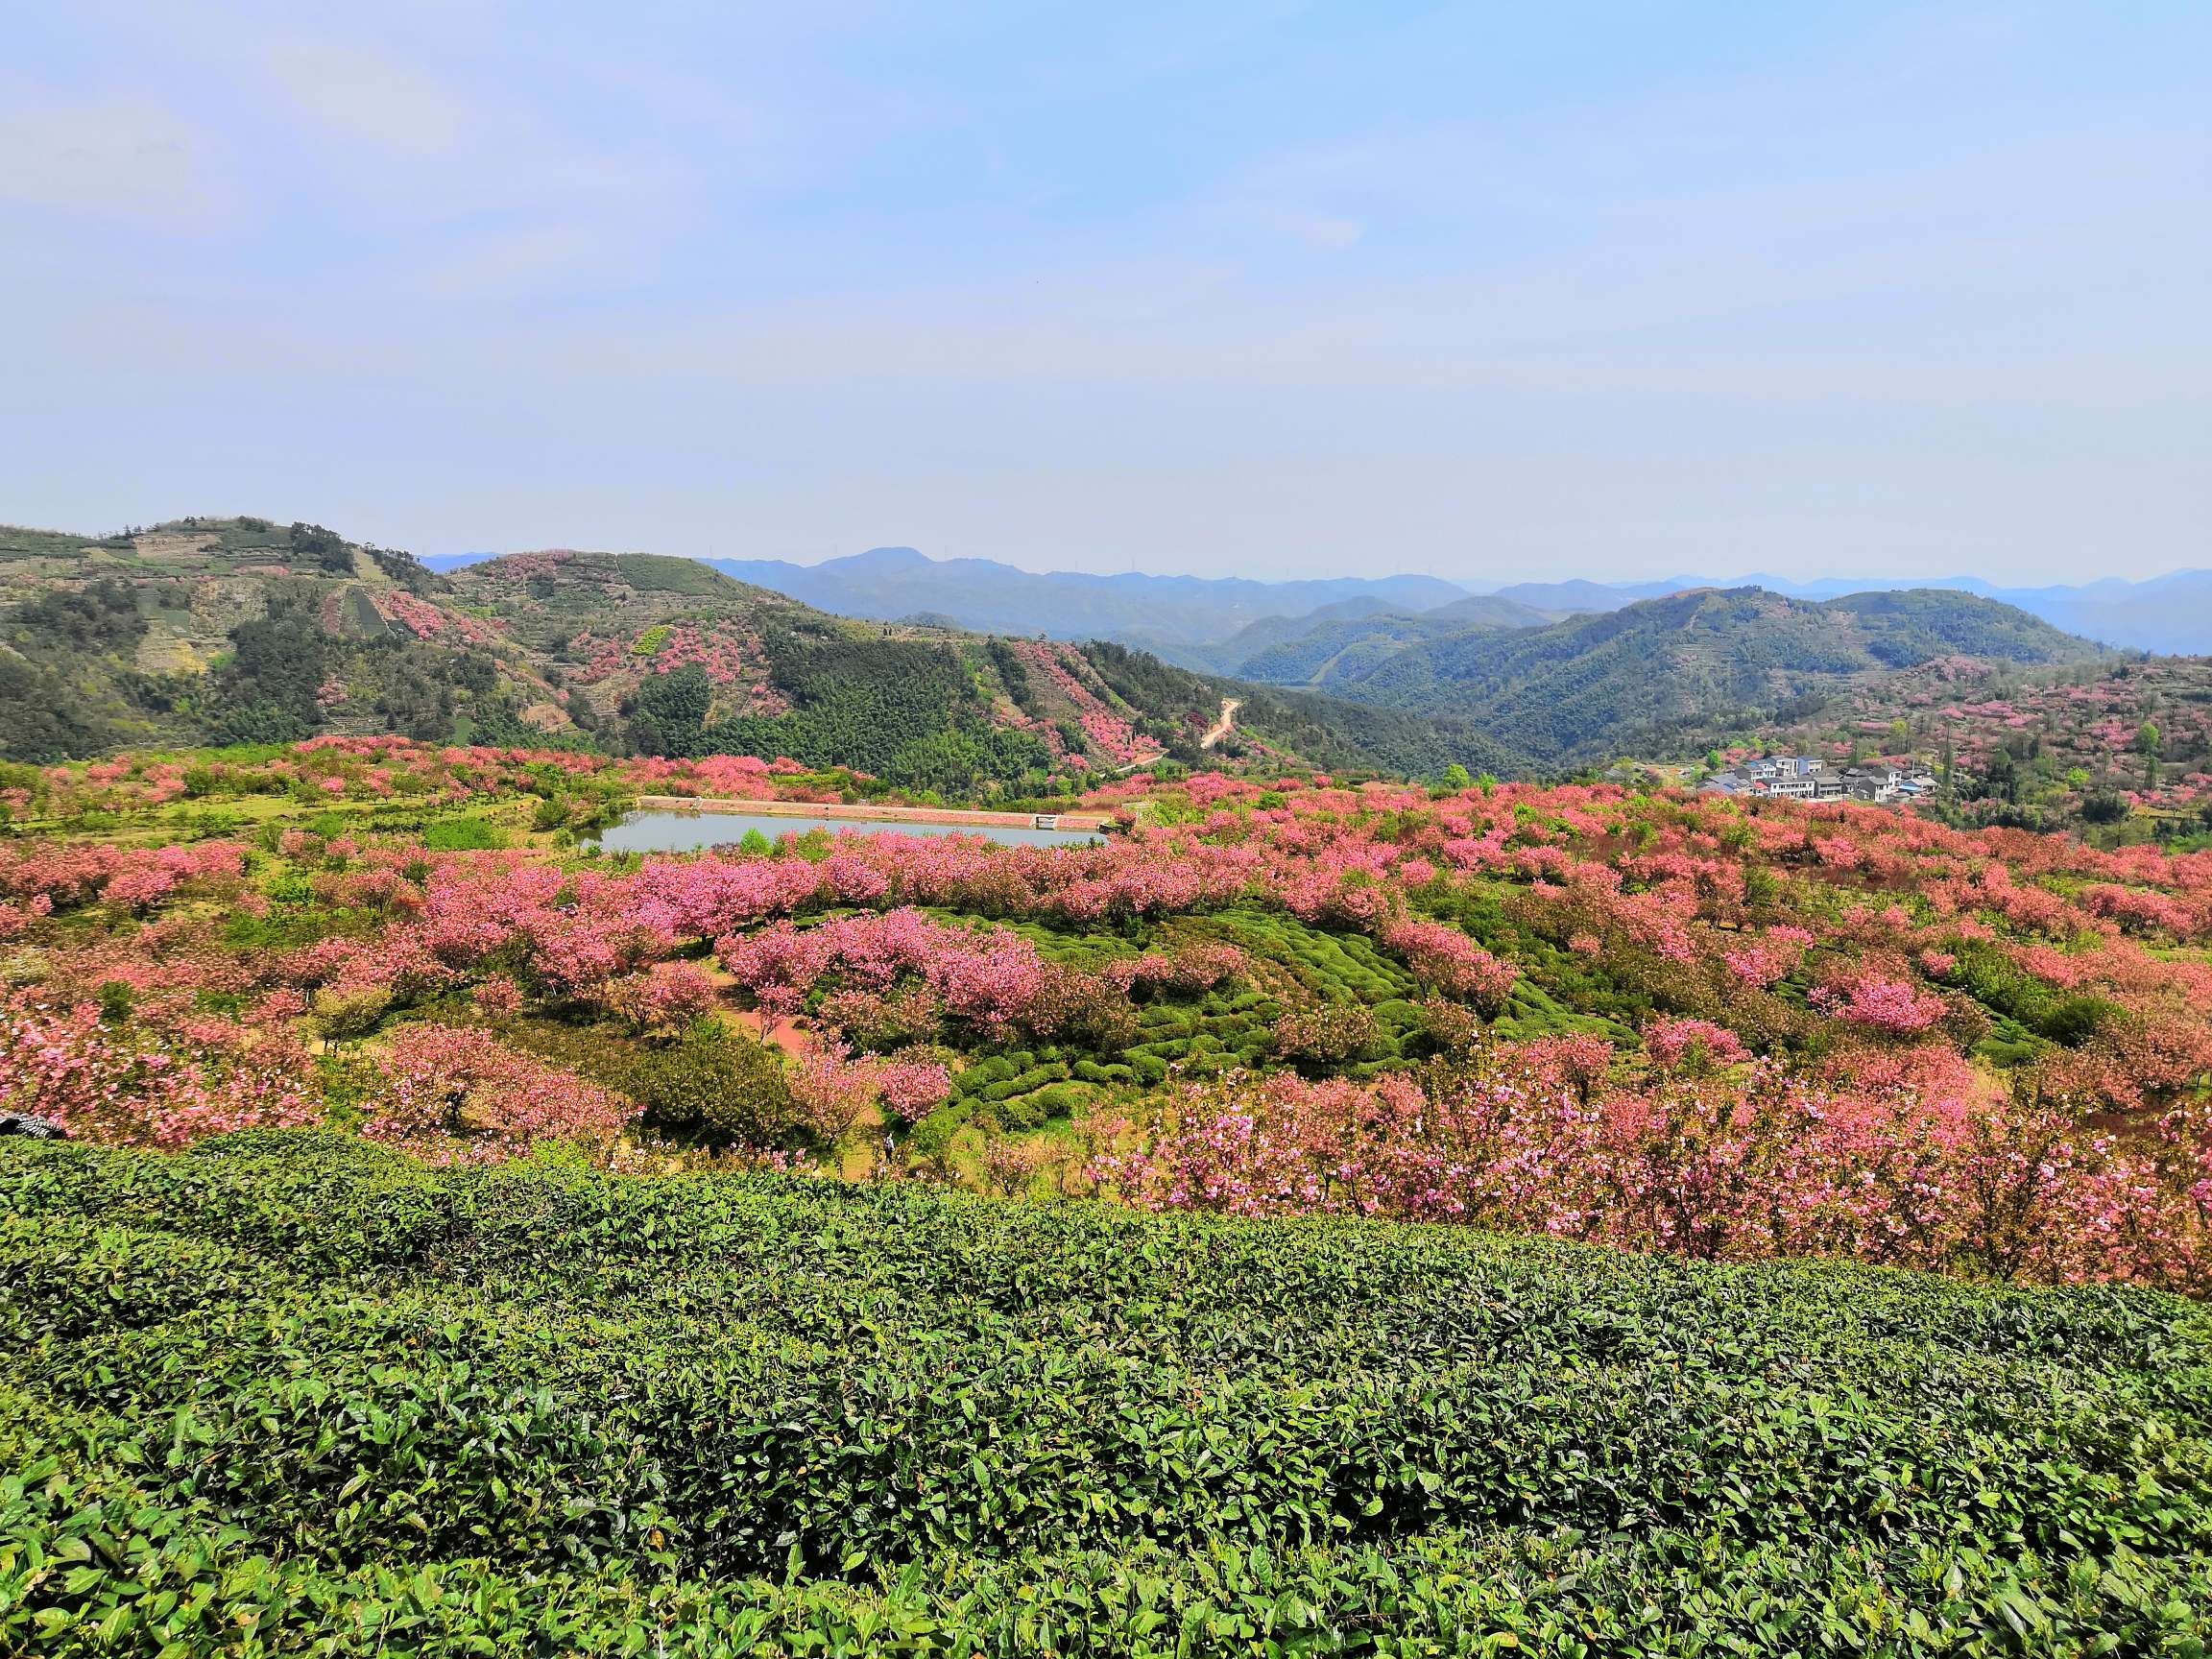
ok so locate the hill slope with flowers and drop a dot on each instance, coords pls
(239, 630)
(2117, 750)
(1668, 1022)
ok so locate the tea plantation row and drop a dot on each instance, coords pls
(293, 1393)
(1288, 964)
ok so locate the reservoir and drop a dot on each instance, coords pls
(656, 830)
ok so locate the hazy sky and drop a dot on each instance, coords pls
(1259, 288)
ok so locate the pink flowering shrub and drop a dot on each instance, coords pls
(876, 1019)
(1527, 1141)
(991, 989)
(1186, 970)
(987, 979)
(834, 1090)
(61, 875)
(1447, 959)
(913, 1088)
(160, 1086)
(499, 996)
(451, 1094)
(664, 998)
(777, 966)
(1677, 1042)
(1771, 956)
(1880, 1002)
(1325, 1033)
(274, 1007)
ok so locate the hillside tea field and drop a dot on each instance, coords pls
(295, 1392)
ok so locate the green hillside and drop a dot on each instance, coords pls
(1658, 674)
(1230, 656)
(239, 630)
(1341, 652)
(290, 1392)
(1299, 650)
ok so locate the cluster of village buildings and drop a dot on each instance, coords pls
(1806, 778)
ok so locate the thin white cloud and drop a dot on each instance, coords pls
(418, 150)
(369, 97)
(102, 157)
(1325, 233)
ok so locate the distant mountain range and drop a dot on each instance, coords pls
(888, 583)
(242, 630)
(1216, 623)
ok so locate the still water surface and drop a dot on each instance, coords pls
(663, 831)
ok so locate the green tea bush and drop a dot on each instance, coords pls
(1035, 1077)
(715, 1084)
(2020, 1003)
(293, 1393)
(974, 1080)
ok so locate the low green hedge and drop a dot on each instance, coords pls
(293, 1393)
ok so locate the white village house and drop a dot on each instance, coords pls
(1808, 778)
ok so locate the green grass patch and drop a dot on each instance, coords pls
(471, 834)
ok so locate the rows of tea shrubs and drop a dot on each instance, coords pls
(289, 1392)
(1235, 1024)
(1354, 1012)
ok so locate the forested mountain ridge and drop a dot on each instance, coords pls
(1348, 649)
(207, 629)
(2169, 613)
(241, 629)
(1663, 673)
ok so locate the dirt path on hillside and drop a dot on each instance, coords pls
(1222, 727)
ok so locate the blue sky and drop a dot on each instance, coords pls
(1258, 288)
